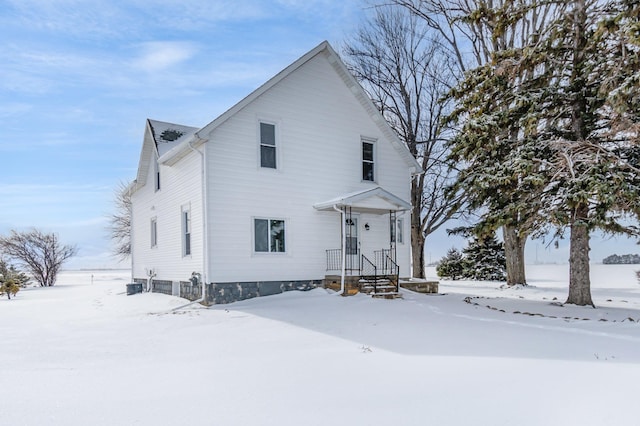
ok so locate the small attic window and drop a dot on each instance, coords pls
(170, 135)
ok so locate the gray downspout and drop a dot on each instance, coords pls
(131, 230)
(205, 240)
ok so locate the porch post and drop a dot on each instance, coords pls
(344, 246)
(393, 235)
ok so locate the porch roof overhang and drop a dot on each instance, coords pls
(373, 200)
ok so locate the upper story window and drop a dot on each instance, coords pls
(156, 173)
(154, 232)
(269, 235)
(268, 145)
(368, 156)
(186, 232)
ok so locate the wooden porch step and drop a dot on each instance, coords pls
(378, 290)
(378, 282)
(387, 295)
(379, 287)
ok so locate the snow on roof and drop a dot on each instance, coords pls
(169, 135)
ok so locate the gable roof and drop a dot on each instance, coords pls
(373, 200)
(169, 135)
(159, 138)
(324, 48)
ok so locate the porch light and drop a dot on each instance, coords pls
(366, 226)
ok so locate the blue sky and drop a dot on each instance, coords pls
(79, 78)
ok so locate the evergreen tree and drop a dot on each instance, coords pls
(9, 272)
(551, 127)
(484, 260)
(10, 288)
(477, 32)
(451, 266)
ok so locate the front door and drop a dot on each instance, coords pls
(352, 229)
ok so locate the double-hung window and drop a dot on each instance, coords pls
(368, 155)
(186, 232)
(154, 232)
(268, 155)
(269, 235)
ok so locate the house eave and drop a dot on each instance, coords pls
(182, 150)
(358, 202)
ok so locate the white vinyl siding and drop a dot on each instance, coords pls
(181, 189)
(321, 125)
(318, 124)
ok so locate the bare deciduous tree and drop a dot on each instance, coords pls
(402, 67)
(39, 253)
(120, 222)
(473, 32)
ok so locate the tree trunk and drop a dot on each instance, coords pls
(417, 236)
(579, 281)
(514, 244)
(417, 250)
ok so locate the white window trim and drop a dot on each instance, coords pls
(183, 227)
(157, 184)
(376, 170)
(270, 253)
(278, 145)
(400, 227)
(153, 232)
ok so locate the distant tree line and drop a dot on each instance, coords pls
(625, 259)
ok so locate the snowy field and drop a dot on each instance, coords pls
(85, 353)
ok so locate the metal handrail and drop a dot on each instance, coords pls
(369, 269)
(334, 260)
(395, 270)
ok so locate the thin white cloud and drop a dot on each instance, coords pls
(12, 109)
(36, 69)
(80, 18)
(160, 55)
(43, 140)
(34, 192)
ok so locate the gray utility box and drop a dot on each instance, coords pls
(134, 288)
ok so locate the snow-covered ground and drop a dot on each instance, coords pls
(85, 353)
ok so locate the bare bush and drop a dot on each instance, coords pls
(41, 254)
(120, 222)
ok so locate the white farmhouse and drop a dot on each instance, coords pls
(301, 180)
